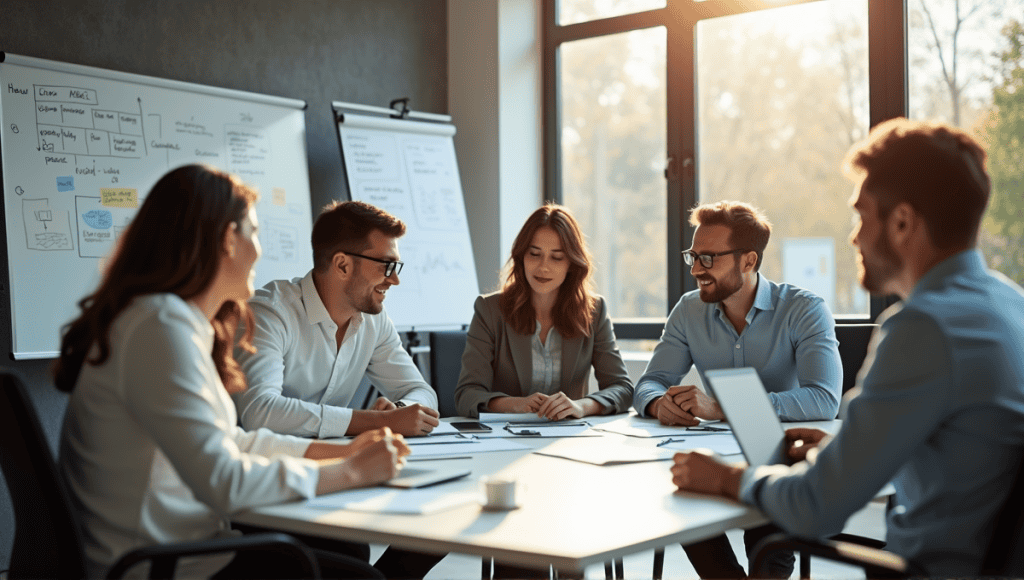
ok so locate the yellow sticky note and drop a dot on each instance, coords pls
(277, 196)
(119, 197)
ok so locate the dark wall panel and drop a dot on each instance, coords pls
(364, 51)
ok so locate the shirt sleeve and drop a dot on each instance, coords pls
(670, 361)
(477, 376)
(615, 389)
(263, 403)
(911, 377)
(393, 371)
(169, 387)
(819, 369)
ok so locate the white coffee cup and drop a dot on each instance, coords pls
(499, 493)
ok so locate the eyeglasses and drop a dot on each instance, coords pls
(390, 266)
(706, 260)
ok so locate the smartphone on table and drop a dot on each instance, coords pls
(471, 427)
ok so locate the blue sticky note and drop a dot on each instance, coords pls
(98, 219)
(66, 183)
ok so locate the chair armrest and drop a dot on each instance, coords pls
(862, 540)
(875, 562)
(164, 557)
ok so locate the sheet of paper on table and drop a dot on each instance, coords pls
(473, 446)
(400, 501)
(603, 452)
(720, 443)
(634, 426)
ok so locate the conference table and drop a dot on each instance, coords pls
(572, 514)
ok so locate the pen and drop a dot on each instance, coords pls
(665, 442)
(548, 424)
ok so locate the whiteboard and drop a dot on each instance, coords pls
(80, 149)
(408, 168)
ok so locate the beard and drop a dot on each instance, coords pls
(877, 266)
(721, 288)
(363, 300)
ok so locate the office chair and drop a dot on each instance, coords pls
(1004, 555)
(446, 348)
(47, 540)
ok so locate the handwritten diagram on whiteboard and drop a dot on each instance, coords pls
(82, 147)
(409, 169)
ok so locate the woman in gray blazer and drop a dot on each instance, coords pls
(531, 345)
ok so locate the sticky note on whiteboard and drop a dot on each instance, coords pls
(65, 183)
(278, 197)
(119, 197)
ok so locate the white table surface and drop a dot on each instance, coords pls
(572, 514)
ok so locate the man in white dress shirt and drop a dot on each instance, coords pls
(317, 336)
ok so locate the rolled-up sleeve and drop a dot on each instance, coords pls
(670, 361)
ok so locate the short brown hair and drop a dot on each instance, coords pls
(749, 226)
(938, 169)
(345, 226)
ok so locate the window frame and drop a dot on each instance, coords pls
(887, 90)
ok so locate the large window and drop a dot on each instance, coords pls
(773, 130)
(613, 156)
(762, 99)
(967, 70)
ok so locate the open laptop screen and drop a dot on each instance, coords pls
(750, 414)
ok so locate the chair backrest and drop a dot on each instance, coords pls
(47, 543)
(446, 350)
(1005, 554)
(853, 347)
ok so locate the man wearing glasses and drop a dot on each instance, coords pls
(317, 336)
(739, 318)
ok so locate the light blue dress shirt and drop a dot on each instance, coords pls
(790, 338)
(938, 410)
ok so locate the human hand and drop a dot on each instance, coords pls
(694, 401)
(801, 440)
(383, 404)
(379, 458)
(701, 472)
(559, 406)
(412, 420)
(366, 439)
(668, 412)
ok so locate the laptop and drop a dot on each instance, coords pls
(411, 477)
(750, 414)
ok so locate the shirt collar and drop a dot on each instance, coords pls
(967, 261)
(316, 312)
(762, 300)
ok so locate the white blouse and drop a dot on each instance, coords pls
(151, 449)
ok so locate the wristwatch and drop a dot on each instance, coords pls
(399, 404)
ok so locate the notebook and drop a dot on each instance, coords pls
(411, 477)
(750, 414)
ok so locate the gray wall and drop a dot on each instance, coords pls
(363, 51)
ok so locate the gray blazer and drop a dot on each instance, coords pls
(497, 360)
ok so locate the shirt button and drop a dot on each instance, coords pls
(737, 346)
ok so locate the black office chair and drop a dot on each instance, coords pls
(853, 348)
(47, 541)
(446, 348)
(1004, 556)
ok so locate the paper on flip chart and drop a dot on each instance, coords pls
(397, 501)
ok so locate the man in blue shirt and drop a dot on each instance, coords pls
(739, 318)
(939, 405)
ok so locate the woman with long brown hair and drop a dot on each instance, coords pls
(151, 449)
(531, 346)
